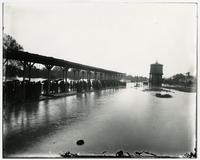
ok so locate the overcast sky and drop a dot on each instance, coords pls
(125, 37)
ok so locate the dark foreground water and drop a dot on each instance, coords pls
(109, 120)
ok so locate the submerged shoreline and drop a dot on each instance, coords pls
(181, 88)
(59, 95)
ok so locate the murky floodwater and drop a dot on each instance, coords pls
(109, 120)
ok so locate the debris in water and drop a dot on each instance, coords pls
(68, 154)
(80, 142)
(163, 95)
(120, 154)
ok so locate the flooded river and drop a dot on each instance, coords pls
(127, 119)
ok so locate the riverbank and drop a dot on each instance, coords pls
(181, 88)
(156, 89)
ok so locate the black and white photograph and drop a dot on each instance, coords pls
(99, 79)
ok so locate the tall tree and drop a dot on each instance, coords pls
(10, 44)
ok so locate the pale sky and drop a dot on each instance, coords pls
(125, 37)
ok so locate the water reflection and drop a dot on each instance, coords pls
(108, 120)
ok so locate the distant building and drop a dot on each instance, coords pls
(155, 76)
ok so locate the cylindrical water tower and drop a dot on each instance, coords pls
(155, 76)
